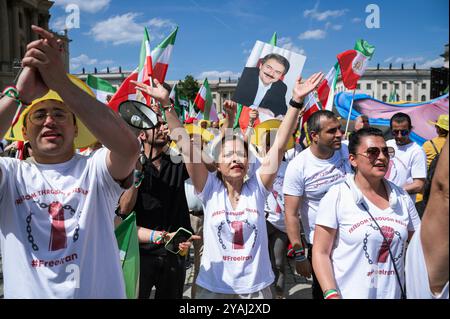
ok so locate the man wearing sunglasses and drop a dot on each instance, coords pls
(408, 168)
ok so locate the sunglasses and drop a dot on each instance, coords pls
(372, 153)
(403, 132)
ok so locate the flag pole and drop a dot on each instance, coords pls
(349, 113)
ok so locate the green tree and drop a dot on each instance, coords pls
(188, 88)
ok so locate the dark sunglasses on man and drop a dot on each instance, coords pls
(372, 153)
(402, 132)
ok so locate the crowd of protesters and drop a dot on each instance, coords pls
(347, 206)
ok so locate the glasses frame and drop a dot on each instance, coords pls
(402, 132)
(50, 113)
(390, 152)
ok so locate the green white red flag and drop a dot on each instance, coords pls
(203, 100)
(161, 56)
(101, 88)
(354, 62)
(143, 73)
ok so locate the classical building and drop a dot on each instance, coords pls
(16, 18)
(409, 84)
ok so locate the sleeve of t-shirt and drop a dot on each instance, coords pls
(263, 191)
(208, 189)
(419, 165)
(104, 178)
(327, 213)
(294, 183)
(6, 167)
(414, 219)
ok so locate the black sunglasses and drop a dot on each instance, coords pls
(403, 132)
(374, 152)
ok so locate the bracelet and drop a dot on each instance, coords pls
(295, 104)
(11, 91)
(300, 258)
(161, 238)
(330, 293)
(151, 236)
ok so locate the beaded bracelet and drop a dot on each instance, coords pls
(330, 293)
(151, 236)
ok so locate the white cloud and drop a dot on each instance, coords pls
(408, 60)
(436, 63)
(391, 58)
(335, 27)
(58, 24)
(81, 60)
(84, 60)
(123, 29)
(322, 16)
(312, 35)
(214, 75)
(91, 6)
(286, 43)
(356, 20)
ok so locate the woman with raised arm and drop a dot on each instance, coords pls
(235, 261)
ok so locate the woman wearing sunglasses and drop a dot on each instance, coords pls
(362, 227)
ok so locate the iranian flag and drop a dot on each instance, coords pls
(273, 40)
(161, 56)
(174, 96)
(203, 100)
(100, 87)
(312, 104)
(143, 73)
(354, 62)
(327, 87)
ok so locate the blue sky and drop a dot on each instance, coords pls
(216, 37)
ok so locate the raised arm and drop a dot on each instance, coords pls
(104, 124)
(272, 160)
(196, 168)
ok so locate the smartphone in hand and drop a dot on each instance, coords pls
(180, 236)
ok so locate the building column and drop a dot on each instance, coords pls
(34, 21)
(15, 32)
(4, 36)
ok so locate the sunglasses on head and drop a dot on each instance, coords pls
(402, 132)
(374, 152)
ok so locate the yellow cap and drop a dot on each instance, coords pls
(265, 126)
(84, 137)
(442, 122)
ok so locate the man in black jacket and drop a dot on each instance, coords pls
(263, 86)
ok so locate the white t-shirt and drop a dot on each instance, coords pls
(57, 229)
(361, 263)
(235, 255)
(410, 161)
(293, 152)
(311, 177)
(416, 272)
(275, 201)
(194, 203)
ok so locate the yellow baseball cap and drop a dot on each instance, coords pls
(442, 122)
(265, 126)
(84, 137)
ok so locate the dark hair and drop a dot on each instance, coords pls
(279, 58)
(401, 117)
(355, 137)
(314, 120)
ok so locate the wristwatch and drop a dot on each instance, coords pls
(296, 104)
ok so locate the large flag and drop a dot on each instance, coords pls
(100, 87)
(161, 56)
(127, 240)
(143, 73)
(354, 62)
(380, 113)
(203, 100)
(312, 104)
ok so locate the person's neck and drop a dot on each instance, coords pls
(156, 150)
(321, 152)
(369, 185)
(234, 187)
(408, 141)
(45, 159)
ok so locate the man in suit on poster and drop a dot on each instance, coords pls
(263, 86)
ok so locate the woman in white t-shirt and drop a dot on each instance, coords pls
(235, 261)
(362, 227)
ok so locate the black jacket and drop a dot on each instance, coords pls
(275, 98)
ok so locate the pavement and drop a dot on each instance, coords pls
(297, 287)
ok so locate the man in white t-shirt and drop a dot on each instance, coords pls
(57, 207)
(308, 177)
(408, 168)
(427, 262)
